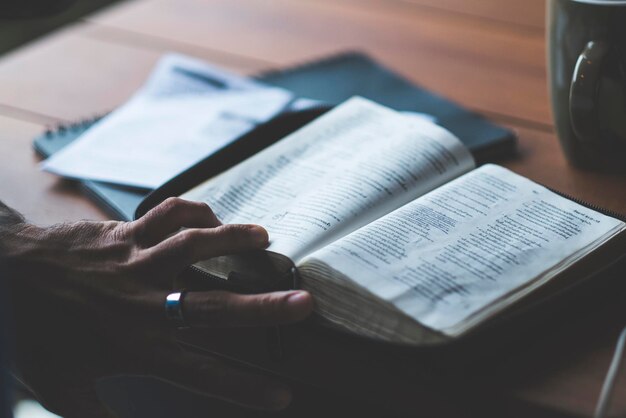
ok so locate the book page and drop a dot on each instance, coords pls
(446, 258)
(343, 170)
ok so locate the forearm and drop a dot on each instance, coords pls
(9, 218)
(10, 222)
(18, 239)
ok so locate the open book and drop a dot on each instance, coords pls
(392, 228)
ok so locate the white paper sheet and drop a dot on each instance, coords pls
(185, 111)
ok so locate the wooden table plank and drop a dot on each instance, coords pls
(528, 14)
(41, 197)
(485, 67)
(69, 77)
(541, 159)
(73, 74)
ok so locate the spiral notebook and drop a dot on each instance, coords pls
(330, 80)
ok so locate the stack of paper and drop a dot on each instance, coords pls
(186, 111)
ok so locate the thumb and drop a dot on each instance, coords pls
(225, 309)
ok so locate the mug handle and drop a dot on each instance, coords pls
(583, 91)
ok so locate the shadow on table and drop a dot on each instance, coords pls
(16, 32)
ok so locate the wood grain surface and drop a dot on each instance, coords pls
(488, 55)
(452, 54)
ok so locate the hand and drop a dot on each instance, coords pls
(89, 301)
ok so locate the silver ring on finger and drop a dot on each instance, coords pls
(174, 309)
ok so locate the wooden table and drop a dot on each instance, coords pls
(488, 55)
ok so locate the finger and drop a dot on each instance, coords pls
(172, 215)
(225, 309)
(211, 377)
(193, 245)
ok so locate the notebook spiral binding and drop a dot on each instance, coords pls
(62, 128)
